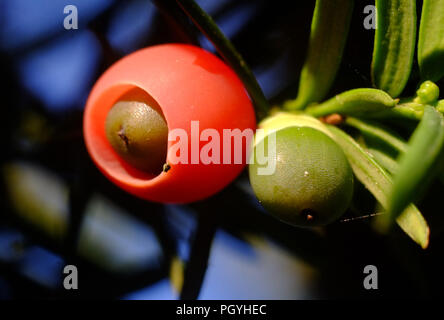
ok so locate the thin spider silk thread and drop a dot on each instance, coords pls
(362, 217)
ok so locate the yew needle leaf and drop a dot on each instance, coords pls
(418, 164)
(329, 31)
(431, 40)
(379, 183)
(394, 44)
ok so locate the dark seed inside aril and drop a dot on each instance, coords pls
(139, 135)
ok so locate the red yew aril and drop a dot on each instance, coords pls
(185, 83)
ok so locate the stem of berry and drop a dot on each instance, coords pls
(227, 50)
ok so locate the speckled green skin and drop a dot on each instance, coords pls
(139, 134)
(313, 181)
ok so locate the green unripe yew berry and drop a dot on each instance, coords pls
(139, 134)
(428, 93)
(313, 181)
(440, 106)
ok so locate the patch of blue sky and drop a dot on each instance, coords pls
(61, 74)
(42, 266)
(161, 290)
(232, 22)
(25, 21)
(259, 269)
(130, 25)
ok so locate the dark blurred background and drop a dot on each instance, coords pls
(56, 209)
